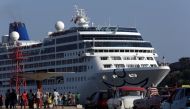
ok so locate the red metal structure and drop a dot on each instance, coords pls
(17, 59)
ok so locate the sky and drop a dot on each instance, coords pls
(165, 23)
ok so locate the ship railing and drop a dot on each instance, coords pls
(163, 64)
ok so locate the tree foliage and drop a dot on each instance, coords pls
(178, 76)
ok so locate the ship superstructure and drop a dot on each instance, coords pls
(92, 58)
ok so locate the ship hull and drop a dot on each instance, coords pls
(143, 77)
(107, 79)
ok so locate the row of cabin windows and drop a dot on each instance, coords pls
(48, 89)
(61, 88)
(43, 57)
(62, 55)
(110, 37)
(34, 52)
(72, 61)
(65, 69)
(5, 75)
(76, 79)
(119, 50)
(46, 51)
(126, 58)
(66, 39)
(42, 51)
(59, 80)
(82, 68)
(44, 64)
(52, 56)
(129, 65)
(115, 44)
(62, 48)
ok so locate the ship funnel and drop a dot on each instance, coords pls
(20, 28)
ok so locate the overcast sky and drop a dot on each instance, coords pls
(165, 23)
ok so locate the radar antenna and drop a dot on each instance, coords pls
(80, 18)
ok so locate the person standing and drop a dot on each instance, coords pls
(13, 99)
(55, 97)
(153, 91)
(39, 98)
(1, 102)
(31, 99)
(7, 99)
(50, 101)
(21, 101)
(45, 100)
(77, 97)
(25, 99)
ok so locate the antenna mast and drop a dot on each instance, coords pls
(80, 18)
(17, 59)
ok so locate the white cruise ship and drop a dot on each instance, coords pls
(89, 58)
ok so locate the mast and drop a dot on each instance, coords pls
(80, 18)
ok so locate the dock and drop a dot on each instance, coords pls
(58, 107)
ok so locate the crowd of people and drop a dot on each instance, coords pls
(38, 99)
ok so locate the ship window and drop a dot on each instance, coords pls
(131, 50)
(141, 58)
(105, 50)
(107, 66)
(116, 50)
(81, 78)
(78, 78)
(75, 78)
(126, 58)
(133, 65)
(110, 50)
(149, 58)
(121, 50)
(115, 58)
(58, 62)
(126, 50)
(144, 65)
(119, 65)
(66, 39)
(133, 58)
(100, 50)
(153, 65)
(84, 78)
(66, 47)
(104, 58)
